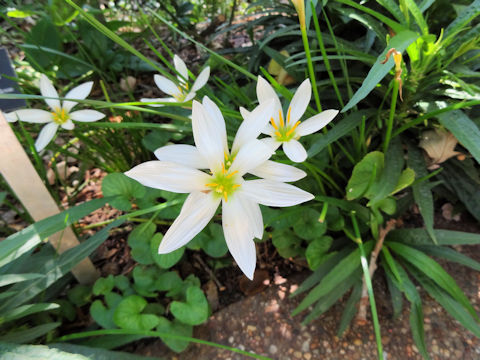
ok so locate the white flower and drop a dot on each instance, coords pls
(288, 129)
(179, 92)
(60, 114)
(179, 171)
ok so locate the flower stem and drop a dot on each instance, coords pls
(393, 105)
(310, 68)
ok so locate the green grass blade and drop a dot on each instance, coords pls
(418, 331)
(451, 255)
(350, 309)
(444, 237)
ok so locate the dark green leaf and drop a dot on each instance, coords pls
(195, 309)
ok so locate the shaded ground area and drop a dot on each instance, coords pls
(261, 323)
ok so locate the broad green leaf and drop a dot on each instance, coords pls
(168, 281)
(195, 309)
(164, 261)
(27, 352)
(139, 240)
(103, 285)
(176, 328)
(308, 227)
(124, 188)
(464, 129)
(400, 42)
(55, 268)
(390, 176)
(128, 314)
(23, 241)
(340, 272)
(339, 129)
(364, 174)
(16, 278)
(433, 270)
(421, 190)
(316, 252)
(407, 177)
(25, 310)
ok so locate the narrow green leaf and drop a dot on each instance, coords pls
(99, 354)
(350, 309)
(25, 310)
(27, 352)
(28, 335)
(444, 237)
(421, 190)
(463, 19)
(339, 273)
(451, 255)
(434, 271)
(395, 296)
(400, 42)
(417, 14)
(464, 129)
(418, 332)
(16, 278)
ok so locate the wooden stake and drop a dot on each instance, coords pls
(19, 173)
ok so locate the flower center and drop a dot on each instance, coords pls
(60, 116)
(284, 131)
(223, 183)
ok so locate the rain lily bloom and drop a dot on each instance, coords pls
(286, 130)
(179, 92)
(60, 115)
(179, 170)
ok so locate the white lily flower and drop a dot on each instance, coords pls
(178, 171)
(287, 130)
(180, 92)
(60, 115)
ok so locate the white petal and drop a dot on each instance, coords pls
(45, 136)
(245, 113)
(31, 116)
(190, 222)
(209, 135)
(169, 176)
(47, 89)
(201, 79)
(79, 92)
(316, 122)
(251, 128)
(295, 151)
(269, 130)
(300, 101)
(272, 143)
(238, 236)
(86, 115)
(272, 170)
(186, 155)
(251, 155)
(181, 68)
(274, 193)
(165, 100)
(189, 96)
(68, 125)
(11, 117)
(166, 85)
(216, 115)
(254, 215)
(266, 92)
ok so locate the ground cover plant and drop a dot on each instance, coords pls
(370, 109)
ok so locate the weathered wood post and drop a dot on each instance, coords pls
(21, 176)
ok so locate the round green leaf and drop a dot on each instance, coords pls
(80, 295)
(168, 281)
(194, 311)
(102, 315)
(139, 240)
(176, 328)
(316, 252)
(308, 227)
(128, 315)
(144, 278)
(103, 285)
(124, 188)
(165, 261)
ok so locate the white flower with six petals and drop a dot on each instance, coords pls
(179, 171)
(60, 115)
(179, 92)
(286, 130)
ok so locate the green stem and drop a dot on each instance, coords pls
(310, 68)
(393, 105)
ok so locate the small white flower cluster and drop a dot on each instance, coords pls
(212, 173)
(209, 171)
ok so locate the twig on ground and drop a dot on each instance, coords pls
(209, 271)
(362, 307)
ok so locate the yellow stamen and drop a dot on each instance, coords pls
(280, 117)
(234, 186)
(233, 173)
(225, 196)
(289, 132)
(226, 155)
(273, 123)
(223, 168)
(211, 184)
(288, 114)
(278, 133)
